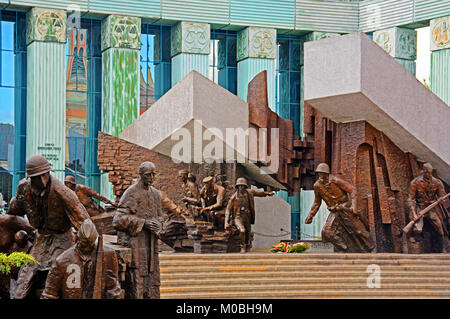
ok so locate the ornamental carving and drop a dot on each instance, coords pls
(121, 32)
(397, 42)
(46, 25)
(190, 37)
(254, 42)
(440, 33)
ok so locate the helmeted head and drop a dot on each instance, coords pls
(427, 170)
(69, 181)
(87, 235)
(38, 169)
(147, 171)
(21, 238)
(323, 170)
(191, 177)
(208, 180)
(183, 175)
(241, 184)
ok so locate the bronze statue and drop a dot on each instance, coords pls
(344, 227)
(75, 273)
(240, 211)
(138, 222)
(190, 191)
(85, 195)
(16, 234)
(424, 190)
(52, 209)
(212, 196)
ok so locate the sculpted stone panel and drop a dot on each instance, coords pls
(46, 25)
(254, 42)
(398, 42)
(190, 37)
(121, 32)
(440, 33)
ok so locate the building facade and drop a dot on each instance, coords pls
(70, 69)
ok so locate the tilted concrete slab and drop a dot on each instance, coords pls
(350, 78)
(193, 107)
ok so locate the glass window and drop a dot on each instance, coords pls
(288, 72)
(13, 102)
(83, 102)
(155, 61)
(222, 59)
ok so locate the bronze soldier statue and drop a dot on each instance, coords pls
(52, 209)
(241, 211)
(85, 195)
(74, 274)
(190, 191)
(423, 191)
(138, 223)
(343, 228)
(212, 196)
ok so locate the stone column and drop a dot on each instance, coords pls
(256, 52)
(440, 58)
(190, 43)
(121, 43)
(46, 86)
(401, 44)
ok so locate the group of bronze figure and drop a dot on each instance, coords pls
(73, 262)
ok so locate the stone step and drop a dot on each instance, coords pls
(252, 288)
(328, 275)
(279, 294)
(164, 256)
(299, 262)
(260, 281)
(304, 268)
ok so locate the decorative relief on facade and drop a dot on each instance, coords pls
(254, 42)
(121, 32)
(313, 36)
(398, 42)
(440, 33)
(190, 37)
(46, 25)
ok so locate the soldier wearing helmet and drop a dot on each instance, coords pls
(85, 195)
(191, 196)
(343, 228)
(212, 196)
(52, 209)
(241, 211)
(423, 191)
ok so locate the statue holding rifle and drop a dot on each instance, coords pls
(426, 194)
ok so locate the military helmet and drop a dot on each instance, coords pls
(323, 168)
(37, 165)
(207, 179)
(69, 179)
(427, 166)
(182, 172)
(241, 181)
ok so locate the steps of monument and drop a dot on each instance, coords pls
(300, 275)
(308, 275)
(302, 280)
(279, 294)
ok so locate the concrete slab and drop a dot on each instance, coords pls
(350, 78)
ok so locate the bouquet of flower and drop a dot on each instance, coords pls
(287, 248)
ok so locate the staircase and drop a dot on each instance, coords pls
(307, 275)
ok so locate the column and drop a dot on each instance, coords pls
(190, 43)
(256, 52)
(121, 43)
(440, 58)
(46, 86)
(401, 44)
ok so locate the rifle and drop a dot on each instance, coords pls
(98, 268)
(410, 225)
